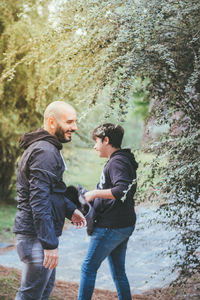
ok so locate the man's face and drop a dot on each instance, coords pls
(100, 146)
(65, 126)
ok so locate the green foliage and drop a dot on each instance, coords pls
(7, 215)
(83, 167)
(141, 96)
(169, 40)
(178, 188)
(20, 102)
(70, 51)
(133, 126)
(49, 55)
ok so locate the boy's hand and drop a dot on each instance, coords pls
(89, 196)
(105, 194)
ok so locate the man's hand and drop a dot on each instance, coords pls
(50, 259)
(89, 196)
(78, 219)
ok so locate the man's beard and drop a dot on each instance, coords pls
(60, 134)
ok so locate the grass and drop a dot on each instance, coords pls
(9, 284)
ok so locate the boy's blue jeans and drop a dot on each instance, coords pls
(111, 243)
(37, 282)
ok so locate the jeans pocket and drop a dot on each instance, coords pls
(99, 232)
(124, 232)
(24, 250)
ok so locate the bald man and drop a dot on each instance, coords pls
(42, 201)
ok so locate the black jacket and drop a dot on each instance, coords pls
(118, 175)
(41, 192)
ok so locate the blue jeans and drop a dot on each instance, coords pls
(111, 243)
(37, 282)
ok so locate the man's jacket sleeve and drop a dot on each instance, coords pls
(41, 165)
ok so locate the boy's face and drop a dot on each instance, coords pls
(101, 147)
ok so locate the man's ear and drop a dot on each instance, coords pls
(51, 123)
(106, 140)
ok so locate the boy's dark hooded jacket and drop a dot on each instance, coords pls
(42, 203)
(119, 175)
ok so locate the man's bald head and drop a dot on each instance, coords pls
(55, 109)
(60, 120)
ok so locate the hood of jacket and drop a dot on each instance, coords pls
(128, 154)
(29, 138)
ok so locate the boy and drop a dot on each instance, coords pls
(115, 214)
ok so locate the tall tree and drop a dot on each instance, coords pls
(21, 79)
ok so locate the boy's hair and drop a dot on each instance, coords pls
(114, 132)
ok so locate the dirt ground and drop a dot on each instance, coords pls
(68, 291)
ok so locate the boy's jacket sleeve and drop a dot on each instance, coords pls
(120, 177)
